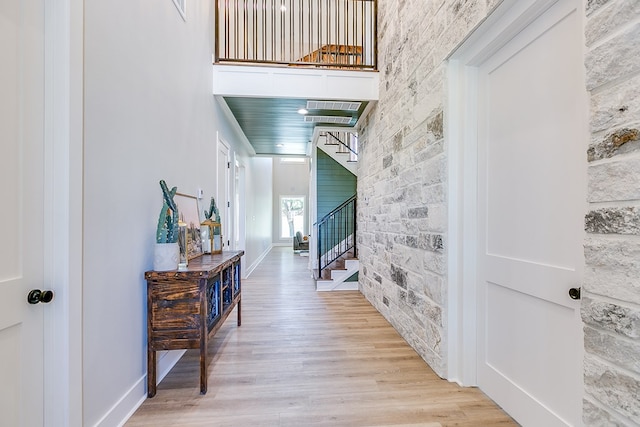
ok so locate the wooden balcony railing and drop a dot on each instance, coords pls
(313, 33)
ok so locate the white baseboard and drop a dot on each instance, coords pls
(247, 271)
(125, 407)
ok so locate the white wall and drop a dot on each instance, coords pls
(149, 115)
(289, 179)
(259, 181)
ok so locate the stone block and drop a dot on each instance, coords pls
(432, 336)
(621, 352)
(418, 212)
(613, 220)
(433, 193)
(431, 242)
(611, 317)
(617, 57)
(614, 16)
(437, 218)
(434, 262)
(614, 181)
(612, 387)
(386, 161)
(616, 106)
(612, 267)
(594, 416)
(620, 141)
(398, 276)
(432, 287)
(593, 5)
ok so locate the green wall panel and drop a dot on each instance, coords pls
(335, 184)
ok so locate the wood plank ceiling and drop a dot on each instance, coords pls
(273, 126)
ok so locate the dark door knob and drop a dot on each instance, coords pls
(574, 293)
(36, 295)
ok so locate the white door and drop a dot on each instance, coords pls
(224, 204)
(532, 133)
(239, 207)
(21, 214)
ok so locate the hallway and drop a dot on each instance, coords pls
(303, 358)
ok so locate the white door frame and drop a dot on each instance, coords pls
(228, 229)
(239, 205)
(502, 25)
(62, 240)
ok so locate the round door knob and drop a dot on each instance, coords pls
(36, 296)
(574, 293)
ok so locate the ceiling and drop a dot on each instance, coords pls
(273, 126)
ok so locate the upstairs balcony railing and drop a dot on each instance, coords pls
(314, 33)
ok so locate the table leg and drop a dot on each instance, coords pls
(151, 373)
(203, 367)
(239, 312)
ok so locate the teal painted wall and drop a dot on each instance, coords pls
(335, 184)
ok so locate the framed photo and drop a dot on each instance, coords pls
(188, 213)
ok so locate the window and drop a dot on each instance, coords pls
(294, 160)
(291, 215)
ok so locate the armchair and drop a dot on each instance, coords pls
(299, 244)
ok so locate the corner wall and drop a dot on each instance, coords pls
(611, 289)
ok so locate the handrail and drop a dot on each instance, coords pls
(341, 142)
(336, 234)
(318, 33)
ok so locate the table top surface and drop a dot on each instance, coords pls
(200, 266)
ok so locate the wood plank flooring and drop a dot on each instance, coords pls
(303, 358)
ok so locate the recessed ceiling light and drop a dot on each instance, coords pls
(302, 111)
(279, 145)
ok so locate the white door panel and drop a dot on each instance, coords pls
(531, 196)
(21, 214)
(224, 202)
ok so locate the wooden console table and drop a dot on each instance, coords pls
(186, 307)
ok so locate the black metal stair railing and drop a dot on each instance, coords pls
(336, 234)
(317, 33)
(350, 147)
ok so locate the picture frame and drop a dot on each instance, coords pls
(189, 214)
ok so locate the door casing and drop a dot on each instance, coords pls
(510, 17)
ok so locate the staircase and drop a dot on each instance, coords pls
(337, 250)
(341, 145)
(334, 277)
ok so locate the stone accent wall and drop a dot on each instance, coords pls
(402, 213)
(402, 190)
(611, 289)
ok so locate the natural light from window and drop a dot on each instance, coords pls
(291, 215)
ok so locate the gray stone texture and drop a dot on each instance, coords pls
(594, 416)
(612, 387)
(402, 186)
(593, 5)
(614, 59)
(615, 107)
(614, 181)
(620, 141)
(402, 169)
(613, 220)
(612, 249)
(613, 348)
(622, 320)
(613, 267)
(615, 15)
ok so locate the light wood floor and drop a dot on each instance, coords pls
(303, 358)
